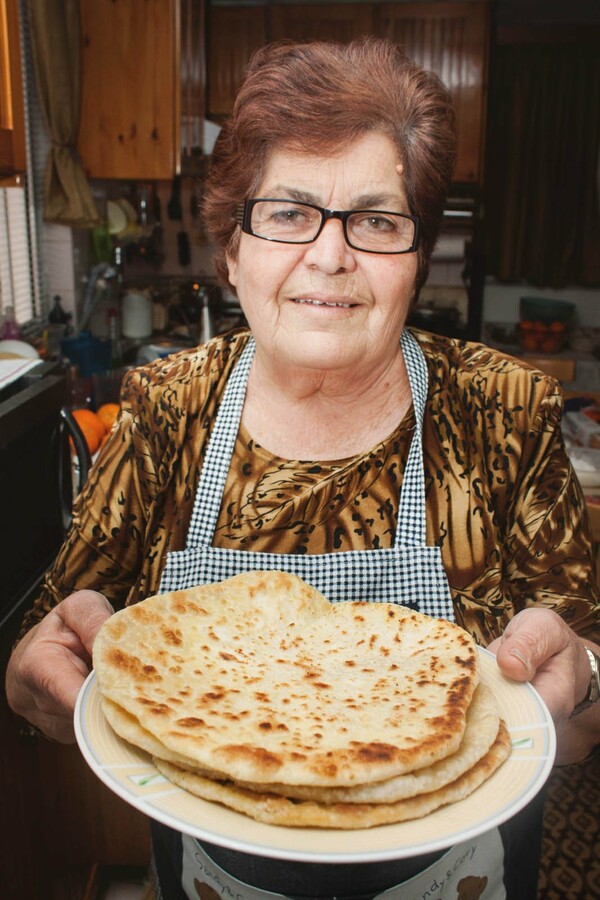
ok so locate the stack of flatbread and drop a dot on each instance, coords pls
(259, 694)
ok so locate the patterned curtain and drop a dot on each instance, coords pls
(542, 188)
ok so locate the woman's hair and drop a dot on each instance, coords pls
(317, 98)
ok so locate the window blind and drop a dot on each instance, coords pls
(17, 287)
(20, 276)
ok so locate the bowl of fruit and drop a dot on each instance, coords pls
(544, 324)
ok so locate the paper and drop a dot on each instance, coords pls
(11, 369)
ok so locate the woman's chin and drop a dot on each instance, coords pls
(321, 350)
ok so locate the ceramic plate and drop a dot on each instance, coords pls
(116, 218)
(130, 774)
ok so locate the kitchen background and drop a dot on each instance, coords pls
(154, 80)
(100, 206)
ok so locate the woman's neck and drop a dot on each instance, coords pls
(303, 414)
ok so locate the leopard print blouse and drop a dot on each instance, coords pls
(502, 501)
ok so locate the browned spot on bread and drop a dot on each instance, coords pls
(239, 752)
(172, 637)
(125, 662)
(210, 696)
(375, 752)
(190, 722)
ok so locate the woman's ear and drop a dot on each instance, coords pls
(231, 269)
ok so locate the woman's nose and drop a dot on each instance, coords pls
(330, 252)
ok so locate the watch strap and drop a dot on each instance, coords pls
(593, 692)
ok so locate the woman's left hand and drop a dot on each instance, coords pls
(539, 647)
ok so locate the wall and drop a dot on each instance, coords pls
(501, 302)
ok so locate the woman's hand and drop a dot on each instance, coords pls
(49, 665)
(538, 646)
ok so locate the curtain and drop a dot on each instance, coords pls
(55, 38)
(541, 191)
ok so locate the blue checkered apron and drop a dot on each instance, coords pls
(409, 573)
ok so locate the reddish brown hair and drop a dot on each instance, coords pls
(318, 97)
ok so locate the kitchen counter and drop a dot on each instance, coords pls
(576, 370)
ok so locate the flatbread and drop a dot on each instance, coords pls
(261, 679)
(483, 721)
(276, 810)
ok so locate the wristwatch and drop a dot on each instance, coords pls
(593, 692)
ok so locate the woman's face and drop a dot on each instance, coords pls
(325, 305)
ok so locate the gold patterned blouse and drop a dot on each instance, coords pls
(502, 501)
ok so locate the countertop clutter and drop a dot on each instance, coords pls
(575, 363)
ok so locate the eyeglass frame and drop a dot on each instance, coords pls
(243, 216)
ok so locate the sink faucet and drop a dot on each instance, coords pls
(97, 284)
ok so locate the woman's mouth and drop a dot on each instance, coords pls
(313, 302)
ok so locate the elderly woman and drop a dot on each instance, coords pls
(330, 441)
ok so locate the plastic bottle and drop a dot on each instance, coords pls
(9, 331)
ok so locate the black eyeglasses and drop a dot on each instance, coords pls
(288, 222)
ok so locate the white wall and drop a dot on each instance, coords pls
(501, 301)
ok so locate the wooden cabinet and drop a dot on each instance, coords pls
(320, 21)
(12, 129)
(130, 100)
(56, 816)
(451, 39)
(233, 33)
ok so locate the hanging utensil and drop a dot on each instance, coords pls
(184, 255)
(174, 210)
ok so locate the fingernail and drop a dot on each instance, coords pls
(522, 659)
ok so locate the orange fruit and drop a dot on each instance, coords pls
(91, 427)
(91, 436)
(529, 342)
(107, 413)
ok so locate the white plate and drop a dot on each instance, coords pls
(20, 349)
(116, 218)
(130, 774)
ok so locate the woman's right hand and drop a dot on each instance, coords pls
(48, 666)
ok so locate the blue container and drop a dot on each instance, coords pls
(89, 353)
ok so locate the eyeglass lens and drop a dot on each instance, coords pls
(291, 222)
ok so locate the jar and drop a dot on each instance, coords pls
(136, 315)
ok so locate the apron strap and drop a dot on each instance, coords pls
(412, 523)
(213, 477)
(219, 453)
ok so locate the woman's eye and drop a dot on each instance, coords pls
(377, 223)
(287, 216)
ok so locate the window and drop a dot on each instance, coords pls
(17, 281)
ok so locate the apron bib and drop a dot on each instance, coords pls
(409, 570)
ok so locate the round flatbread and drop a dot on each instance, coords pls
(276, 810)
(261, 679)
(483, 721)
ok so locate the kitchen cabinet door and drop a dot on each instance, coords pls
(130, 99)
(233, 33)
(12, 129)
(320, 21)
(452, 39)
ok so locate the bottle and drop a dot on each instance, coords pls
(57, 315)
(58, 320)
(115, 341)
(207, 330)
(9, 331)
